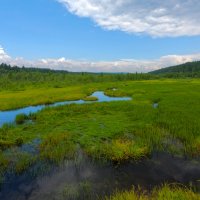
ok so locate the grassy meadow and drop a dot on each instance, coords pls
(112, 131)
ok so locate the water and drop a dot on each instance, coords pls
(155, 105)
(9, 116)
(104, 98)
(32, 147)
(84, 179)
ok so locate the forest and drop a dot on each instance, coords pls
(189, 69)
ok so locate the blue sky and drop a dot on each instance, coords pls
(86, 32)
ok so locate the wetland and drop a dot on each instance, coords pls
(104, 140)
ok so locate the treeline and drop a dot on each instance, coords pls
(16, 78)
(19, 78)
(5, 68)
(187, 69)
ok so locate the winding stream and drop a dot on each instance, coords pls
(9, 116)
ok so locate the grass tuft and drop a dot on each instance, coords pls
(57, 148)
(164, 193)
(21, 118)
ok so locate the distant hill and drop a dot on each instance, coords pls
(190, 67)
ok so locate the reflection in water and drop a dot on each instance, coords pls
(84, 179)
(9, 116)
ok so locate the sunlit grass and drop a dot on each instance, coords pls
(164, 193)
(173, 193)
(119, 150)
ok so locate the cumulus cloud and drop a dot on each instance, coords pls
(3, 55)
(123, 65)
(153, 17)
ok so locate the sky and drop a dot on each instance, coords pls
(99, 35)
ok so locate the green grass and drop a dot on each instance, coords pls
(116, 131)
(21, 118)
(164, 193)
(57, 148)
(90, 98)
(38, 96)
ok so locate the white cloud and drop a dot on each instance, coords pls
(3, 55)
(157, 18)
(123, 65)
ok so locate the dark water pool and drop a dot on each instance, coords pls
(85, 179)
(9, 116)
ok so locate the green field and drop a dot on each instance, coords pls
(112, 131)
